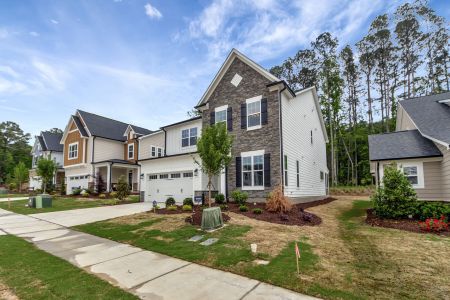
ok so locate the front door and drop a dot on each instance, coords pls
(130, 180)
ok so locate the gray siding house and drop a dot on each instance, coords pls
(420, 146)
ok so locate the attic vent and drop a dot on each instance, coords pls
(236, 80)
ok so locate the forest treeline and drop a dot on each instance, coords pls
(403, 55)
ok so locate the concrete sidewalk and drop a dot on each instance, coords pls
(147, 274)
(13, 199)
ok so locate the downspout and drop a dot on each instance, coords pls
(110, 177)
(378, 174)
(281, 137)
(165, 141)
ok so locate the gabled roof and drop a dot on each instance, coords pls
(80, 126)
(233, 54)
(51, 141)
(41, 142)
(401, 145)
(431, 116)
(107, 128)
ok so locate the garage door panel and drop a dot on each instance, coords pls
(162, 188)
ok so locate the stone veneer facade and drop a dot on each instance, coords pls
(266, 138)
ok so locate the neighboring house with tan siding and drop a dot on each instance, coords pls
(96, 146)
(420, 146)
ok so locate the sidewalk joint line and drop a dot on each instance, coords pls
(145, 282)
(251, 290)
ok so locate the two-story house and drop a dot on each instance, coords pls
(46, 145)
(99, 149)
(279, 139)
(420, 146)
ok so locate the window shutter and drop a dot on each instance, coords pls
(230, 118)
(264, 111)
(267, 170)
(212, 118)
(238, 172)
(244, 116)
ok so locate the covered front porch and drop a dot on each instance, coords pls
(107, 175)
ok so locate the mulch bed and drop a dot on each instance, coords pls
(401, 224)
(297, 216)
(163, 211)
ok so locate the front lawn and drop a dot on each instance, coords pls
(12, 195)
(343, 258)
(59, 204)
(29, 273)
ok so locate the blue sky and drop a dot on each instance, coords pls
(149, 62)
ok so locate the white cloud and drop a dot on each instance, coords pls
(34, 33)
(4, 33)
(9, 71)
(50, 76)
(152, 11)
(54, 21)
(264, 29)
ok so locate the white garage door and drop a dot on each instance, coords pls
(161, 186)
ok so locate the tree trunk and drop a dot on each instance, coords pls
(209, 190)
(45, 185)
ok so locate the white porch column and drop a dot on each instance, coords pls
(108, 178)
(94, 177)
(222, 182)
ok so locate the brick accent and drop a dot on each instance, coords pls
(267, 138)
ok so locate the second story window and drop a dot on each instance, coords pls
(221, 115)
(253, 114)
(189, 137)
(130, 151)
(73, 151)
(153, 151)
(159, 152)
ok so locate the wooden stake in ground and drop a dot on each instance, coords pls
(297, 257)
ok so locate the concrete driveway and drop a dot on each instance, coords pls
(69, 218)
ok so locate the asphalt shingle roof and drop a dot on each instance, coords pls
(431, 117)
(52, 141)
(108, 128)
(401, 145)
(42, 143)
(80, 126)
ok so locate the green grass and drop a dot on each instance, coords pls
(13, 195)
(59, 204)
(31, 273)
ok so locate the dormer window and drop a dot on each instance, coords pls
(130, 151)
(189, 137)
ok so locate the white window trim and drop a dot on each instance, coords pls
(68, 151)
(420, 178)
(221, 108)
(151, 151)
(249, 101)
(251, 154)
(128, 152)
(189, 137)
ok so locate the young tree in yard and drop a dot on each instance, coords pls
(46, 169)
(20, 175)
(123, 188)
(214, 147)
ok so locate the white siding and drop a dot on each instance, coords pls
(146, 143)
(173, 145)
(77, 171)
(404, 122)
(445, 168)
(107, 149)
(300, 116)
(58, 157)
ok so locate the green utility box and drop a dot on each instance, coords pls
(32, 202)
(43, 201)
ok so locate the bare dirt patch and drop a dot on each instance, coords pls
(134, 219)
(6, 293)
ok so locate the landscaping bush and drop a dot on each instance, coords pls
(76, 192)
(63, 189)
(257, 211)
(220, 199)
(396, 198)
(170, 201)
(223, 207)
(187, 207)
(12, 186)
(188, 201)
(435, 225)
(243, 208)
(85, 195)
(427, 210)
(239, 197)
(278, 202)
(123, 188)
(110, 201)
(172, 207)
(102, 196)
(113, 194)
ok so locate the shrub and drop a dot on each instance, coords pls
(239, 197)
(123, 188)
(396, 198)
(220, 199)
(12, 186)
(243, 208)
(172, 207)
(223, 207)
(85, 195)
(188, 201)
(102, 196)
(76, 192)
(110, 201)
(187, 207)
(170, 201)
(435, 225)
(63, 188)
(113, 194)
(427, 210)
(278, 202)
(257, 211)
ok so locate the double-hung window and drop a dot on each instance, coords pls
(253, 113)
(411, 174)
(189, 137)
(130, 151)
(253, 171)
(73, 151)
(153, 151)
(221, 114)
(159, 152)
